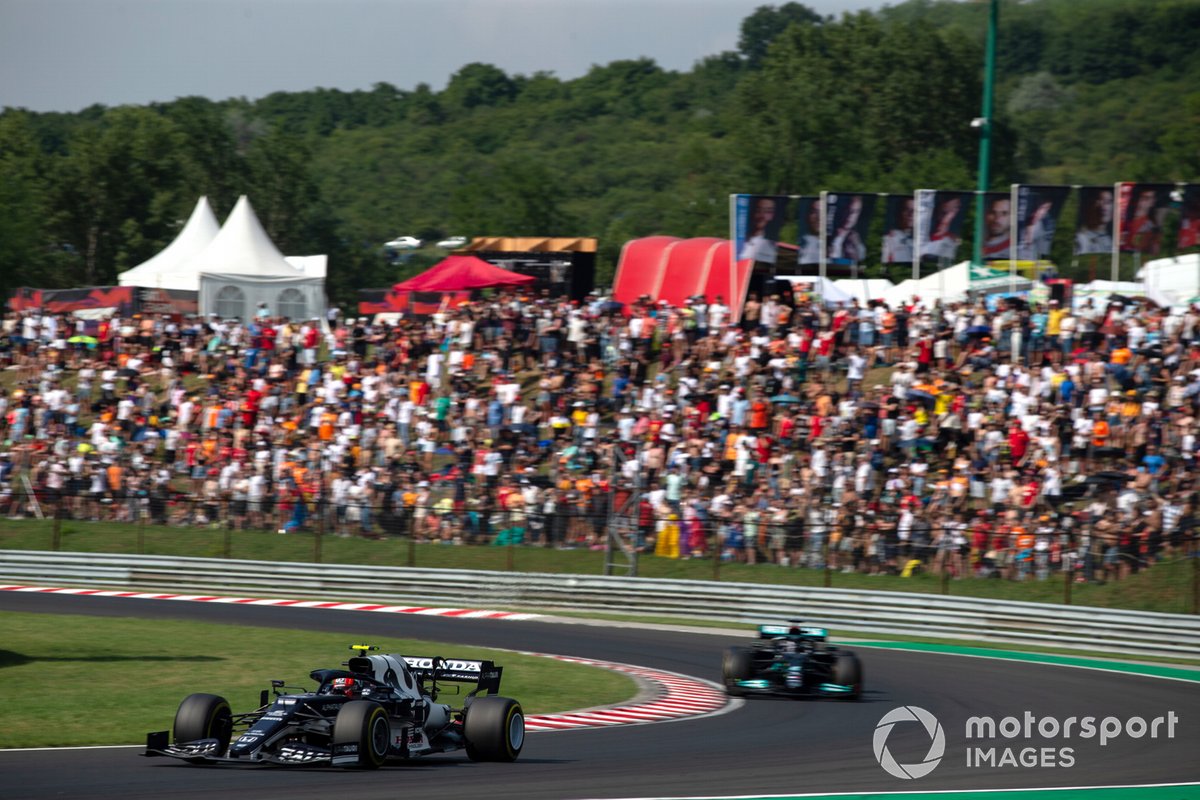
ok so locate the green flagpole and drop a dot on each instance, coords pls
(984, 123)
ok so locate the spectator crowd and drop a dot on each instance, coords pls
(1013, 441)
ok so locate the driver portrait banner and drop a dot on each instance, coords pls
(1038, 210)
(942, 215)
(808, 215)
(1143, 209)
(997, 226)
(847, 220)
(898, 229)
(757, 219)
(1189, 221)
(1094, 229)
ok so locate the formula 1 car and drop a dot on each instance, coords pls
(793, 660)
(380, 708)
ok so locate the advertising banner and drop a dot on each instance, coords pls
(997, 226)
(898, 229)
(847, 220)
(808, 214)
(1038, 210)
(1189, 222)
(121, 299)
(1094, 229)
(757, 219)
(942, 215)
(1143, 212)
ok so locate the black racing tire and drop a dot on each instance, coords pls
(494, 729)
(365, 726)
(847, 671)
(204, 716)
(737, 665)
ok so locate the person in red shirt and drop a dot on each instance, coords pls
(1018, 443)
(787, 426)
(1029, 491)
(824, 351)
(250, 405)
(267, 339)
(924, 354)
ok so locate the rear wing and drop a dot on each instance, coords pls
(801, 631)
(485, 674)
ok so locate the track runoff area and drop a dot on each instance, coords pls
(679, 697)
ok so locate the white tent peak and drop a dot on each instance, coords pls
(242, 247)
(163, 270)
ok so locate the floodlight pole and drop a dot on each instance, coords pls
(984, 123)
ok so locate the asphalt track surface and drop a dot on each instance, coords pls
(768, 746)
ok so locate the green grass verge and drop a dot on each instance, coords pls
(1165, 587)
(115, 679)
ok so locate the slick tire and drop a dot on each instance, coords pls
(365, 727)
(204, 716)
(737, 665)
(494, 729)
(847, 671)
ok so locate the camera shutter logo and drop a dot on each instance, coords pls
(937, 742)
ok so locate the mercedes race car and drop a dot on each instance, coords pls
(379, 708)
(793, 660)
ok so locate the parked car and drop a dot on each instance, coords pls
(453, 243)
(403, 243)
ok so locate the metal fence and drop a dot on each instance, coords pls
(1107, 630)
(624, 533)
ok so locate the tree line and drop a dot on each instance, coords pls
(872, 101)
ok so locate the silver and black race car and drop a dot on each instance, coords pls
(792, 659)
(379, 708)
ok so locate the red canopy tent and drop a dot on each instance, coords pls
(462, 273)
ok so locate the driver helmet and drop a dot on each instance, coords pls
(347, 686)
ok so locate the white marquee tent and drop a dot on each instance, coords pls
(826, 288)
(1172, 281)
(241, 268)
(166, 269)
(955, 284)
(865, 289)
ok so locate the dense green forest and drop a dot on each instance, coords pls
(1089, 91)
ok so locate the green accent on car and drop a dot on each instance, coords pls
(835, 688)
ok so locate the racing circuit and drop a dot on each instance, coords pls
(758, 747)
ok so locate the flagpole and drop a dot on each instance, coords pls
(1118, 213)
(918, 223)
(984, 123)
(822, 250)
(1014, 231)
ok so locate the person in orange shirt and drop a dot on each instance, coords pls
(760, 414)
(1024, 554)
(325, 429)
(1100, 432)
(731, 441)
(114, 477)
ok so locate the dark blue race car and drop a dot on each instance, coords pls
(379, 708)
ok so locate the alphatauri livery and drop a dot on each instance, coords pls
(379, 708)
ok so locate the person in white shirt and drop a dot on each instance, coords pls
(718, 314)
